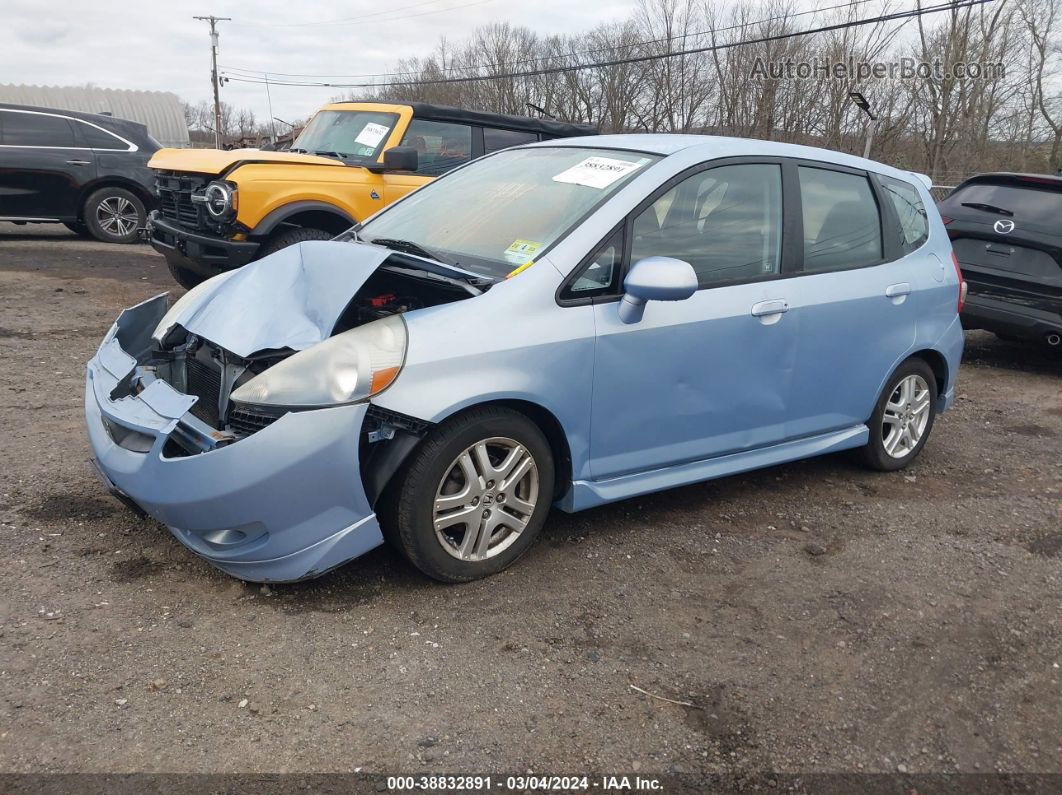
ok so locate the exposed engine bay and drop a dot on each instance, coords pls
(196, 366)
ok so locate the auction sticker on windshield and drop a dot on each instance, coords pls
(371, 135)
(597, 172)
(521, 251)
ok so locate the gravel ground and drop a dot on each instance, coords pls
(816, 617)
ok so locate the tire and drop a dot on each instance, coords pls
(114, 215)
(289, 237)
(183, 276)
(408, 509)
(908, 425)
(77, 228)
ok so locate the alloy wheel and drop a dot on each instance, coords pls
(485, 499)
(906, 416)
(117, 216)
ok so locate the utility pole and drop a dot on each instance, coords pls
(214, 73)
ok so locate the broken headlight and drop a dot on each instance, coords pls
(346, 368)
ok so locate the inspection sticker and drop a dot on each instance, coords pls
(597, 172)
(371, 135)
(521, 251)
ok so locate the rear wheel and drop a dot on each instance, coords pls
(113, 215)
(289, 237)
(903, 417)
(473, 497)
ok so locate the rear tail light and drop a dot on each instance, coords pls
(946, 220)
(962, 282)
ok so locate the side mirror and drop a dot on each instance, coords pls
(655, 279)
(397, 158)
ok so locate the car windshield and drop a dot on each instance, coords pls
(345, 133)
(503, 211)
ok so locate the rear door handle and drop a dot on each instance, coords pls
(770, 312)
(898, 292)
(79, 162)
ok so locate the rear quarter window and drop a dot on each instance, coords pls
(910, 212)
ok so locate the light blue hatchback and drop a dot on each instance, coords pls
(560, 324)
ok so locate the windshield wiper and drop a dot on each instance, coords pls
(296, 149)
(340, 155)
(988, 208)
(407, 247)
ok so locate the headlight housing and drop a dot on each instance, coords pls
(347, 368)
(220, 200)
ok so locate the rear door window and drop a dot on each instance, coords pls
(910, 212)
(495, 139)
(36, 129)
(440, 146)
(842, 225)
(1025, 205)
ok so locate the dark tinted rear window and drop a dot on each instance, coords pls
(495, 139)
(1028, 203)
(96, 138)
(35, 129)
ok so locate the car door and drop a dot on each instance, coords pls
(42, 169)
(853, 300)
(709, 375)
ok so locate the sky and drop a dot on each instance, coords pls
(156, 45)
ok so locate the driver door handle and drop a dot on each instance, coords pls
(768, 308)
(79, 162)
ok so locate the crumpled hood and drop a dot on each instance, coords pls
(290, 299)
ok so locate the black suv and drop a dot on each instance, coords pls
(1006, 230)
(83, 170)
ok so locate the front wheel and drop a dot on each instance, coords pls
(473, 497)
(289, 237)
(183, 276)
(902, 418)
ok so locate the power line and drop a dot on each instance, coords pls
(637, 59)
(612, 48)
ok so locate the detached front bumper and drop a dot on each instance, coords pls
(283, 504)
(206, 255)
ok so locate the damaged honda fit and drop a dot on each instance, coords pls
(560, 324)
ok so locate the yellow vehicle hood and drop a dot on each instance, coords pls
(217, 161)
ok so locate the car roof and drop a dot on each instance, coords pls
(432, 112)
(125, 127)
(710, 147)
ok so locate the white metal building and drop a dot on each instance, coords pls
(160, 111)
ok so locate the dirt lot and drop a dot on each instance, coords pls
(818, 617)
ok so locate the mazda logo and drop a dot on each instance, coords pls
(1004, 227)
